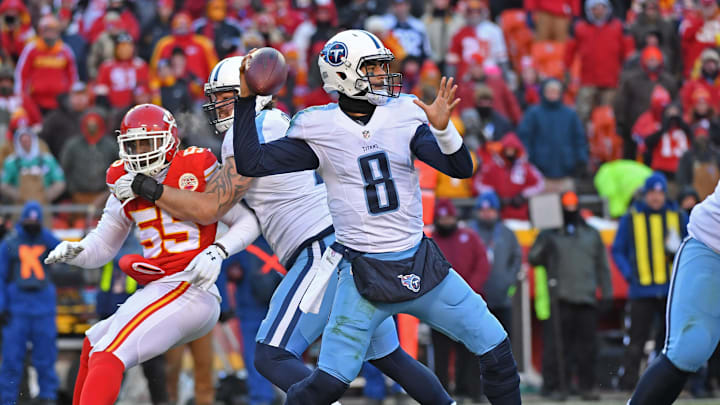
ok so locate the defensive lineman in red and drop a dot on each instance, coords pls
(179, 264)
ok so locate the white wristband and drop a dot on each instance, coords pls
(448, 139)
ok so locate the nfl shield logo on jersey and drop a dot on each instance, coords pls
(366, 134)
(410, 281)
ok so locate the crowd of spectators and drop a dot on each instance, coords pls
(556, 95)
(578, 83)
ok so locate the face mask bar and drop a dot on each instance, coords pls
(150, 162)
(392, 82)
(212, 107)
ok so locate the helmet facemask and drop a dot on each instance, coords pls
(145, 152)
(215, 108)
(378, 93)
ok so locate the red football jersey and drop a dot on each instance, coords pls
(170, 242)
(118, 80)
(668, 152)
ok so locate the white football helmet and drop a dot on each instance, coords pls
(343, 56)
(225, 76)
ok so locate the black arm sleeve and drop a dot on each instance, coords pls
(425, 147)
(252, 159)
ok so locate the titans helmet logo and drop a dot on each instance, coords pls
(335, 53)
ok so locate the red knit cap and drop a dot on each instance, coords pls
(444, 207)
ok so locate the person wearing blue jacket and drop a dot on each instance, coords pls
(554, 138)
(27, 307)
(645, 244)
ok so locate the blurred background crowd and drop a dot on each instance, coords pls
(612, 104)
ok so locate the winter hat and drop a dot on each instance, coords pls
(569, 199)
(656, 181)
(444, 207)
(487, 199)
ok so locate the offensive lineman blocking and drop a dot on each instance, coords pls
(363, 147)
(294, 218)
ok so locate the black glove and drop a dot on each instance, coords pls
(518, 201)
(4, 318)
(146, 187)
(226, 315)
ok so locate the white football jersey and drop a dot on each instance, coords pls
(290, 207)
(705, 220)
(373, 188)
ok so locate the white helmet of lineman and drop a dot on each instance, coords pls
(343, 56)
(224, 77)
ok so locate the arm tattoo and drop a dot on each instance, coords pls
(228, 186)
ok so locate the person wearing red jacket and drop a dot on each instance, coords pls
(552, 17)
(46, 67)
(698, 31)
(504, 100)
(11, 102)
(665, 147)
(16, 28)
(199, 50)
(466, 252)
(480, 35)
(118, 78)
(287, 17)
(513, 178)
(127, 22)
(648, 123)
(706, 78)
(602, 46)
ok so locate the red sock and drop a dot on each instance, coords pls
(102, 384)
(82, 371)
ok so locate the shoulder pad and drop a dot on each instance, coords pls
(194, 153)
(196, 159)
(115, 171)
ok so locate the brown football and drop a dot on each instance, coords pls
(266, 72)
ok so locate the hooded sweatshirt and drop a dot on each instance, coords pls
(553, 137)
(32, 161)
(511, 179)
(86, 157)
(22, 255)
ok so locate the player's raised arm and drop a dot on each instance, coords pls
(439, 144)
(252, 159)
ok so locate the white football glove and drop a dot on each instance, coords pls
(64, 252)
(206, 266)
(122, 189)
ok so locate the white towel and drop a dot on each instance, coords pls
(312, 299)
